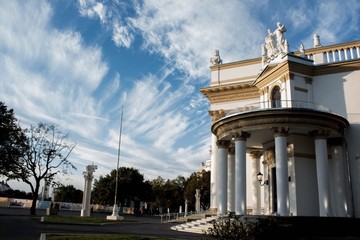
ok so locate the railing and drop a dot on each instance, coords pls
(336, 53)
(168, 217)
(278, 104)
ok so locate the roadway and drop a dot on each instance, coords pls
(16, 223)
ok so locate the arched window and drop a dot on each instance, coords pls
(276, 97)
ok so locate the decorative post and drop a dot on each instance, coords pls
(89, 176)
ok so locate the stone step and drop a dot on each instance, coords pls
(198, 226)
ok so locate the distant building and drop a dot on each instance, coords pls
(205, 166)
(286, 131)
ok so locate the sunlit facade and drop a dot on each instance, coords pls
(292, 121)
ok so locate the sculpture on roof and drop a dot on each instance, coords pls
(216, 60)
(270, 50)
(280, 40)
(270, 44)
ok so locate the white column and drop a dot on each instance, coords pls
(327, 57)
(240, 173)
(255, 161)
(213, 174)
(322, 169)
(221, 190)
(282, 175)
(88, 176)
(231, 180)
(346, 54)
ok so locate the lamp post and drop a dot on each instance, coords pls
(115, 213)
(260, 179)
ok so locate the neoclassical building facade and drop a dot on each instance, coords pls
(286, 131)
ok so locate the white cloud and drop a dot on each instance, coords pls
(180, 31)
(121, 36)
(92, 9)
(53, 71)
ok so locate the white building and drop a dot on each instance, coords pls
(292, 121)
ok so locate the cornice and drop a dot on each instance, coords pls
(230, 92)
(247, 62)
(337, 67)
(280, 118)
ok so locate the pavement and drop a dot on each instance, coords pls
(16, 223)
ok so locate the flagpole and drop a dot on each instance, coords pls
(115, 213)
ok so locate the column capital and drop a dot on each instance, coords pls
(280, 131)
(320, 134)
(232, 149)
(223, 143)
(216, 114)
(256, 154)
(269, 156)
(241, 136)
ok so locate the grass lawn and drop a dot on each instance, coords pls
(89, 220)
(100, 237)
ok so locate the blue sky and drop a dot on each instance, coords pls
(76, 63)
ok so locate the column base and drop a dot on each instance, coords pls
(212, 211)
(84, 213)
(115, 216)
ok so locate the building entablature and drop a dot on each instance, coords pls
(297, 120)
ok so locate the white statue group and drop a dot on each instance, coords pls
(274, 47)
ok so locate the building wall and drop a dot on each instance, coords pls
(344, 86)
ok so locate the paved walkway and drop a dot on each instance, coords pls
(15, 223)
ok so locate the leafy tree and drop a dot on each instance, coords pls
(46, 156)
(157, 185)
(198, 181)
(131, 187)
(10, 193)
(12, 141)
(68, 194)
(169, 193)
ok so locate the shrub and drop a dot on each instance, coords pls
(242, 228)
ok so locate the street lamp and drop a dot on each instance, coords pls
(260, 179)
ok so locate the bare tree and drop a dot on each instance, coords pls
(47, 156)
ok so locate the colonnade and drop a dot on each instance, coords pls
(228, 178)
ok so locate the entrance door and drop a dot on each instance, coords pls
(273, 190)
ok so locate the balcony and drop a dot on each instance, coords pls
(259, 119)
(278, 104)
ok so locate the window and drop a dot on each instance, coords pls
(275, 97)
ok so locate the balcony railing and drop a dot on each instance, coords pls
(336, 53)
(278, 104)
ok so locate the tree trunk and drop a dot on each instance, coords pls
(34, 200)
(33, 205)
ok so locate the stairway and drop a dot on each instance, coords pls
(197, 226)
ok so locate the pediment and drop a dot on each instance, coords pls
(271, 73)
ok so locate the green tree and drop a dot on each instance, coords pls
(46, 156)
(131, 187)
(10, 193)
(12, 141)
(198, 180)
(68, 194)
(169, 193)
